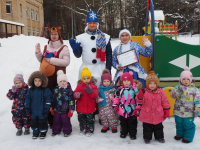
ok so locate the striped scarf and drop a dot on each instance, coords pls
(100, 44)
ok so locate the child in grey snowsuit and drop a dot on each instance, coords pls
(107, 114)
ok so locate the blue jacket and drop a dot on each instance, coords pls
(37, 100)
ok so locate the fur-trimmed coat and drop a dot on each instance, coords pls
(86, 103)
(125, 99)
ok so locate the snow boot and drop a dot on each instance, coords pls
(43, 135)
(27, 131)
(19, 132)
(104, 129)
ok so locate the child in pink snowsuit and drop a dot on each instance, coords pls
(124, 104)
(107, 114)
(155, 109)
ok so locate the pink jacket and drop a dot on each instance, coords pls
(64, 57)
(153, 105)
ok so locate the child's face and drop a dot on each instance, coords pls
(86, 79)
(125, 38)
(63, 84)
(54, 36)
(126, 83)
(106, 83)
(152, 85)
(186, 81)
(18, 84)
(37, 82)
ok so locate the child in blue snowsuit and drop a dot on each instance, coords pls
(37, 103)
(17, 94)
(187, 106)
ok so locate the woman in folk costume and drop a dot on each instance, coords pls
(55, 57)
(126, 45)
(94, 47)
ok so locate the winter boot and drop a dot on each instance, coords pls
(82, 133)
(132, 137)
(161, 140)
(35, 136)
(185, 141)
(19, 132)
(27, 131)
(114, 130)
(54, 134)
(43, 135)
(177, 137)
(123, 135)
(66, 134)
(147, 141)
(104, 129)
(88, 134)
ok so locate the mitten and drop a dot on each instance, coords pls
(88, 89)
(52, 112)
(75, 46)
(137, 111)
(28, 111)
(140, 95)
(14, 89)
(70, 114)
(100, 100)
(166, 113)
(46, 112)
(116, 108)
(78, 95)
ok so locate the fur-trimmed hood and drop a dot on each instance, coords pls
(38, 74)
(138, 84)
(93, 81)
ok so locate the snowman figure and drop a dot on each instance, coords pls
(94, 47)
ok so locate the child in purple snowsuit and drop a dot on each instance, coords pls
(107, 114)
(63, 106)
(18, 92)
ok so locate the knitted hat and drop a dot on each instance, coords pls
(151, 77)
(106, 75)
(127, 76)
(55, 29)
(186, 74)
(124, 31)
(18, 77)
(61, 76)
(85, 72)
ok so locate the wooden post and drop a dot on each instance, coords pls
(16, 30)
(21, 30)
(6, 30)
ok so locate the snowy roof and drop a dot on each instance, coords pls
(158, 15)
(11, 22)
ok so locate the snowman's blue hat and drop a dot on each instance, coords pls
(92, 16)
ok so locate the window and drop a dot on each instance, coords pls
(36, 16)
(8, 7)
(38, 32)
(33, 32)
(27, 12)
(29, 32)
(21, 10)
(32, 14)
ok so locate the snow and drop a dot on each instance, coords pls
(18, 55)
(11, 22)
(158, 15)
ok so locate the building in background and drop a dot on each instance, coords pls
(21, 17)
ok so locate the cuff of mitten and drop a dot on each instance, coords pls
(147, 44)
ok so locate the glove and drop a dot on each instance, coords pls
(166, 113)
(28, 111)
(78, 95)
(140, 95)
(14, 89)
(116, 108)
(70, 114)
(88, 89)
(75, 46)
(52, 112)
(100, 100)
(137, 111)
(46, 112)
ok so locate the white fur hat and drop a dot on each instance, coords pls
(61, 76)
(126, 31)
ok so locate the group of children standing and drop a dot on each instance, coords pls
(126, 102)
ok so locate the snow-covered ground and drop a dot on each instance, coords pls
(17, 54)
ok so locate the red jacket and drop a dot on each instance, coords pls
(86, 103)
